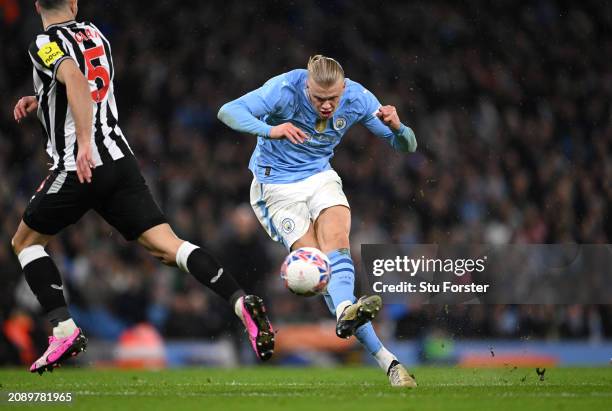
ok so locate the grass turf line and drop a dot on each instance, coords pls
(335, 389)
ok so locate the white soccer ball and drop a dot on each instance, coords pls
(306, 271)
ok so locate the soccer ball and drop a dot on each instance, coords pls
(306, 272)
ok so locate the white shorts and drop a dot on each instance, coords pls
(287, 210)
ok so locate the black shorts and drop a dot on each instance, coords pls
(117, 192)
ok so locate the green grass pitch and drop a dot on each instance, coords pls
(333, 389)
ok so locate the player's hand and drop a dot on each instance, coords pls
(24, 106)
(388, 115)
(84, 163)
(290, 132)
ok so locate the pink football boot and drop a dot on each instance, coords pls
(59, 350)
(258, 326)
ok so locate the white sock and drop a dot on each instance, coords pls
(340, 308)
(64, 328)
(182, 254)
(31, 253)
(384, 358)
(238, 308)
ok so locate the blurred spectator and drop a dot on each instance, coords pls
(241, 247)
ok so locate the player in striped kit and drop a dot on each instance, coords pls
(299, 117)
(95, 168)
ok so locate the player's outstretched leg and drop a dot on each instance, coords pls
(162, 243)
(350, 314)
(60, 349)
(357, 315)
(45, 281)
(354, 318)
(397, 373)
(249, 308)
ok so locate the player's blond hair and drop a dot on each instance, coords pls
(325, 71)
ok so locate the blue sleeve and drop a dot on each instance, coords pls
(244, 114)
(402, 140)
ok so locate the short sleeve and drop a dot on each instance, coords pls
(47, 52)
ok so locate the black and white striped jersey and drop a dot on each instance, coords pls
(90, 50)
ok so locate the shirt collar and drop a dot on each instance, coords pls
(62, 24)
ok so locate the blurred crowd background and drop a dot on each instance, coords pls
(509, 100)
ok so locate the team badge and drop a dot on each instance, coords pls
(288, 225)
(50, 53)
(340, 123)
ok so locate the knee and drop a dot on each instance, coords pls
(18, 244)
(15, 246)
(163, 254)
(161, 243)
(165, 257)
(21, 243)
(333, 241)
(25, 237)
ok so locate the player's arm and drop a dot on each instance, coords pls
(79, 101)
(244, 113)
(51, 58)
(384, 122)
(25, 106)
(47, 56)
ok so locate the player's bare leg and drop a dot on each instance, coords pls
(25, 237)
(307, 240)
(45, 281)
(164, 244)
(332, 229)
(161, 242)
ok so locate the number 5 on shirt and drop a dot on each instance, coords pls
(97, 72)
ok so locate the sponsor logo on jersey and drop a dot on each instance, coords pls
(50, 53)
(321, 139)
(340, 123)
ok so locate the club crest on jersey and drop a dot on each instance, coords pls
(50, 53)
(288, 225)
(339, 123)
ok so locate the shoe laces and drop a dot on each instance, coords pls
(395, 375)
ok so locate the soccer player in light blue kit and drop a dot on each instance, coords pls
(299, 117)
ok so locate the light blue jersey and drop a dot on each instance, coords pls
(284, 98)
